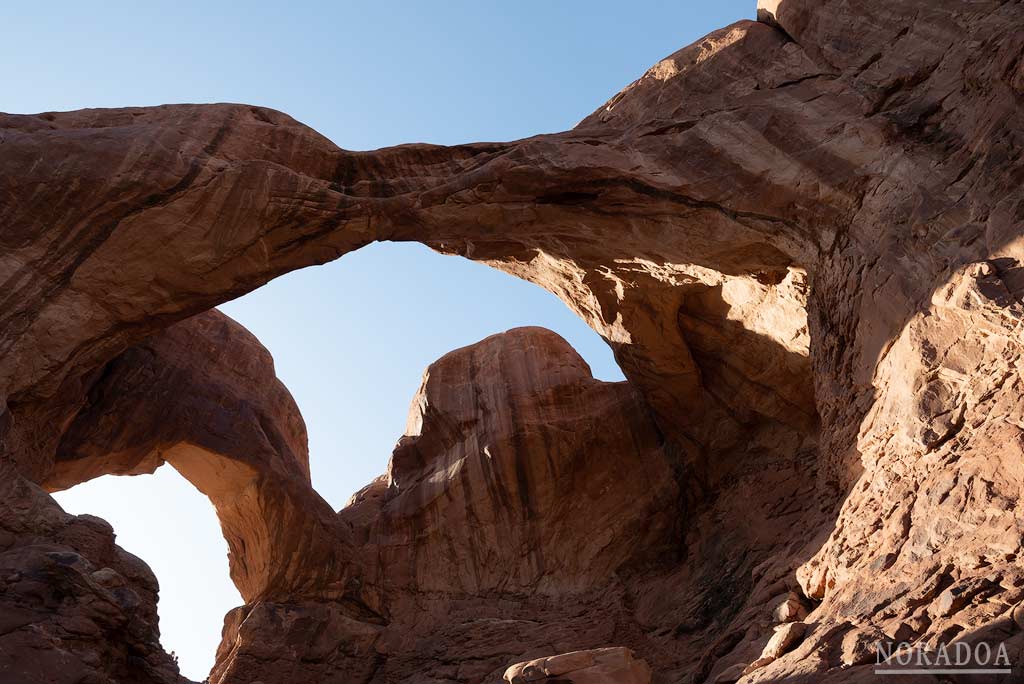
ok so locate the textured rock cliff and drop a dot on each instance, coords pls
(74, 607)
(801, 236)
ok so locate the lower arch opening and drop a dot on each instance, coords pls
(351, 340)
(165, 521)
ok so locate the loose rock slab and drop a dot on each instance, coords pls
(599, 666)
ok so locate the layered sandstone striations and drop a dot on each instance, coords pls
(202, 395)
(801, 236)
(521, 493)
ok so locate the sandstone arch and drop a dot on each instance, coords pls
(287, 198)
(680, 221)
(203, 397)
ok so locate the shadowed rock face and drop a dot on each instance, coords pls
(202, 396)
(74, 607)
(802, 238)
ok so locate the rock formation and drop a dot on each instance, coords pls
(600, 666)
(74, 607)
(801, 236)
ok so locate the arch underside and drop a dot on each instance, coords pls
(804, 251)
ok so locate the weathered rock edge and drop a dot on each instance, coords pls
(802, 238)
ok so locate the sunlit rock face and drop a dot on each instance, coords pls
(518, 472)
(801, 236)
(521, 497)
(599, 666)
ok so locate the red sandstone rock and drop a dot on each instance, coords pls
(202, 396)
(601, 666)
(518, 472)
(521, 489)
(803, 240)
(74, 607)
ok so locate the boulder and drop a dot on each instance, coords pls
(598, 666)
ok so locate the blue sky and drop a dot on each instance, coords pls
(352, 338)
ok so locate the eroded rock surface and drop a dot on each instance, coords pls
(802, 237)
(74, 607)
(514, 474)
(601, 666)
(202, 395)
(522, 495)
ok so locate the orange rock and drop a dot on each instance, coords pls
(600, 666)
(801, 237)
